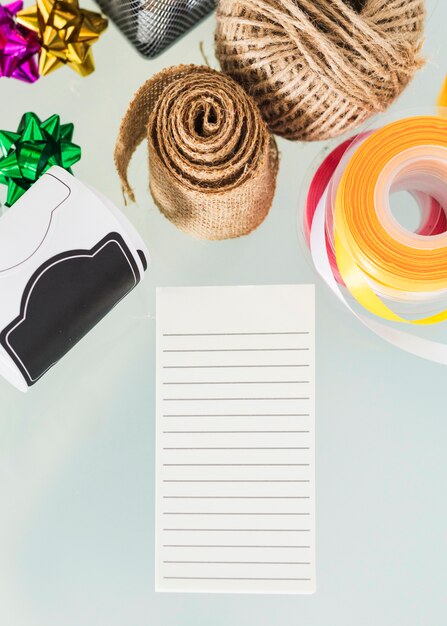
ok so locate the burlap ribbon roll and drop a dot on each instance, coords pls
(212, 161)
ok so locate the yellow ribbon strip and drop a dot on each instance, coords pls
(442, 98)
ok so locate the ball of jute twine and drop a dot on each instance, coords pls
(212, 161)
(319, 68)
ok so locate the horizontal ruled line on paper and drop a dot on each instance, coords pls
(239, 350)
(166, 480)
(291, 332)
(238, 530)
(201, 545)
(242, 562)
(224, 578)
(234, 432)
(199, 367)
(239, 382)
(236, 497)
(224, 399)
(244, 448)
(238, 415)
(236, 464)
(238, 513)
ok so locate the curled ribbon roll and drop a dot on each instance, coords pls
(433, 219)
(212, 161)
(355, 241)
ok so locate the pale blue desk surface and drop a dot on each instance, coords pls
(77, 454)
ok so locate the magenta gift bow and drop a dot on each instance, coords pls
(18, 46)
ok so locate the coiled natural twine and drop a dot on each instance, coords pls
(319, 68)
(212, 161)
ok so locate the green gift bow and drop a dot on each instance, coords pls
(32, 150)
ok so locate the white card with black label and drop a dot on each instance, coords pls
(235, 453)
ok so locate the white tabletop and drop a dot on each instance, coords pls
(77, 453)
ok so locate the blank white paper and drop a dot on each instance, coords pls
(235, 453)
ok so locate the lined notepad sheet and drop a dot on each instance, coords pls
(235, 439)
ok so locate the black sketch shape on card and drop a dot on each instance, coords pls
(64, 299)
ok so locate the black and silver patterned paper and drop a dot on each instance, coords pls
(153, 25)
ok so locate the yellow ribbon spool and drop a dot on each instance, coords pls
(371, 248)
